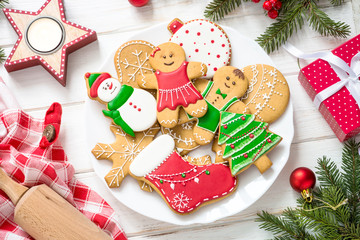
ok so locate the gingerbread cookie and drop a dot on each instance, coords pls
(221, 94)
(203, 160)
(203, 41)
(246, 141)
(182, 185)
(268, 93)
(132, 61)
(134, 110)
(183, 136)
(122, 152)
(172, 80)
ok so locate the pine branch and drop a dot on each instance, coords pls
(2, 55)
(320, 22)
(336, 2)
(328, 173)
(3, 2)
(217, 9)
(279, 32)
(351, 179)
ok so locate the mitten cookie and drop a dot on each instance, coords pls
(132, 61)
(172, 80)
(122, 152)
(228, 85)
(134, 110)
(246, 142)
(268, 93)
(182, 185)
(203, 41)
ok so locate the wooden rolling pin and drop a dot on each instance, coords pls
(45, 215)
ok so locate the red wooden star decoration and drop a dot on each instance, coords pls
(30, 49)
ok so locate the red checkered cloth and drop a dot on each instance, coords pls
(31, 160)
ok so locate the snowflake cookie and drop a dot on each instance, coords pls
(203, 41)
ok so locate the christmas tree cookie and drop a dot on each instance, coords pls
(184, 186)
(172, 80)
(134, 110)
(246, 141)
(268, 93)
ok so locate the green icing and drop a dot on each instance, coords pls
(237, 134)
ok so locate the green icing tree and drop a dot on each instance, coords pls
(246, 139)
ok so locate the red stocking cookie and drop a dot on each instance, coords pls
(203, 41)
(183, 186)
(172, 80)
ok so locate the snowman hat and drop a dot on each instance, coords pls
(94, 80)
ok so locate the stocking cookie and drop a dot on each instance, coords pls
(134, 110)
(221, 94)
(246, 142)
(132, 61)
(172, 80)
(122, 152)
(268, 93)
(203, 41)
(182, 185)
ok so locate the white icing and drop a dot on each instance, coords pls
(44, 34)
(108, 89)
(143, 119)
(152, 156)
(197, 47)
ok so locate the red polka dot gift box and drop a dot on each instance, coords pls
(337, 87)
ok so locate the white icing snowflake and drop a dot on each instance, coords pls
(270, 85)
(139, 64)
(181, 201)
(186, 126)
(266, 96)
(272, 73)
(132, 150)
(258, 106)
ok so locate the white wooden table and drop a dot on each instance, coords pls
(115, 21)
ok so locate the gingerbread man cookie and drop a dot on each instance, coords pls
(246, 141)
(184, 186)
(268, 93)
(221, 94)
(172, 80)
(203, 41)
(134, 110)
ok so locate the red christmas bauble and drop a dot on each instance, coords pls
(273, 14)
(138, 3)
(267, 5)
(302, 179)
(255, 1)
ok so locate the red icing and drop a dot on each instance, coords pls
(245, 155)
(225, 126)
(175, 26)
(134, 106)
(212, 29)
(130, 103)
(139, 109)
(212, 41)
(187, 31)
(269, 140)
(175, 89)
(243, 118)
(218, 56)
(96, 84)
(232, 146)
(198, 33)
(215, 69)
(181, 44)
(223, 45)
(196, 50)
(153, 53)
(87, 75)
(251, 135)
(209, 54)
(196, 187)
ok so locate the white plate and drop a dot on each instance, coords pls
(252, 185)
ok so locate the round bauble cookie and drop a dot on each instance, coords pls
(203, 41)
(131, 61)
(268, 94)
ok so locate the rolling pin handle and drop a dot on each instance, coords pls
(13, 189)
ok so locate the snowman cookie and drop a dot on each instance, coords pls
(134, 110)
(221, 94)
(203, 41)
(172, 80)
(268, 93)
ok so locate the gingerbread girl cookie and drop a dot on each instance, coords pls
(184, 186)
(268, 93)
(134, 110)
(221, 94)
(172, 80)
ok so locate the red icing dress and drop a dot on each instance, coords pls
(175, 89)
